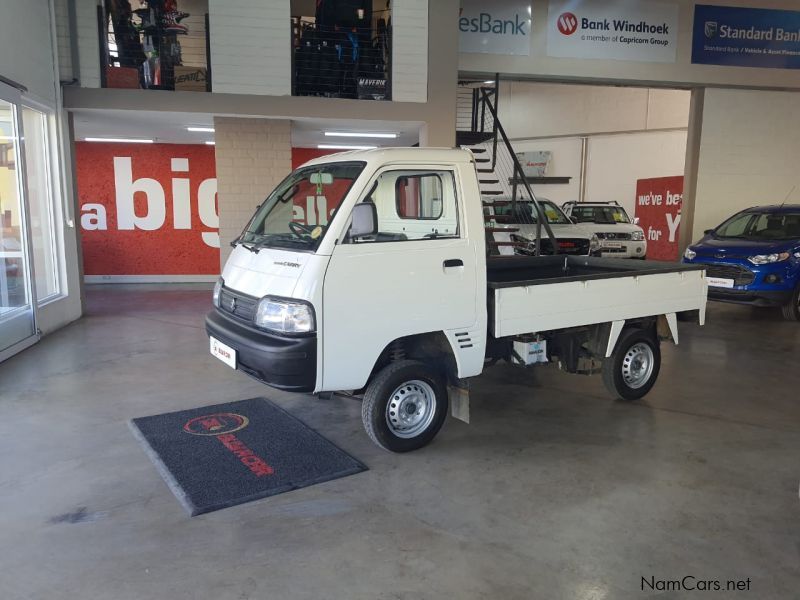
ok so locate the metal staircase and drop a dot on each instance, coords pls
(503, 184)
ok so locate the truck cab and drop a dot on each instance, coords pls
(367, 272)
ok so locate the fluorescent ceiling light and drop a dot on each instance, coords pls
(204, 129)
(125, 140)
(360, 134)
(209, 143)
(343, 147)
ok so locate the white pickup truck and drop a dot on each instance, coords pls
(367, 272)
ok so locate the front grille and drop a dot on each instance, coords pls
(237, 304)
(739, 274)
(568, 246)
(613, 235)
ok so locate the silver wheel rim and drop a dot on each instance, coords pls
(637, 365)
(410, 409)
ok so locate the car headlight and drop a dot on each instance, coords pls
(689, 254)
(766, 259)
(217, 290)
(284, 316)
(594, 243)
(637, 236)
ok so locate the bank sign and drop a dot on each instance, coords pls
(499, 27)
(746, 37)
(612, 29)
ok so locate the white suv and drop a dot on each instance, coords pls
(619, 237)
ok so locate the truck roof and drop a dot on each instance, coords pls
(415, 155)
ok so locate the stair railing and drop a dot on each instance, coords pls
(518, 176)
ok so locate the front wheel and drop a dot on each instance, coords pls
(791, 310)
(632, 369)
(404, 406)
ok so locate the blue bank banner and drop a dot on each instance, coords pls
(746, 37)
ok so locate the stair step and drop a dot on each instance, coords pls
(492, 181)
(477, 150)
(482, 160)
(491, 193)
(485, 170)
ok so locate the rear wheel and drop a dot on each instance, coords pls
(632, 369)
(404, 406)
(791, 310)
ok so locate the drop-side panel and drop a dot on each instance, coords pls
(548, 306)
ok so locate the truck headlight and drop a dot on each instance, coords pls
(637, 236)
(284, 316)
(689, 254)
(216, 292)
(766, 259)
(594, 244)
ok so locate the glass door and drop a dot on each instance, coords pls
(17, 295)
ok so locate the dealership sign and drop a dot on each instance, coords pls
(746, 37)
(658, 207)
(612, 29)
(500, 27)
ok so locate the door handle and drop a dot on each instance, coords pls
(453, 262)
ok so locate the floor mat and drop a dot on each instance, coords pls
(226, 454)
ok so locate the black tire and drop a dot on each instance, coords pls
(380, 393)
(791, 310)
(613, 376)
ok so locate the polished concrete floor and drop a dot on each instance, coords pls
(553, 491)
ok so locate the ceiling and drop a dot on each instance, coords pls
(170, 128)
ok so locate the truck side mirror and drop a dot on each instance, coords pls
(635, 220)
(708, 231)
(364, 220)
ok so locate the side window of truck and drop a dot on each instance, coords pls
(414, 205)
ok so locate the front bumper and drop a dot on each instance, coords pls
(286, 363)
(751, 297)
(627, 249)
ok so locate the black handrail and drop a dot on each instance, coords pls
(519, 174)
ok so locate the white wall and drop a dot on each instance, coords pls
(748, 154)
(565, 162)
(616, 162)
(251, 46)
(410, 51)
(529, 109)
(682, 72)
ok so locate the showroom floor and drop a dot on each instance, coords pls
(554, 491)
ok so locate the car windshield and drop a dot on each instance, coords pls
(298, 212)
(605, 215)
(766, 225)
(524, 213)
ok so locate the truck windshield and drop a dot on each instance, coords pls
(761, 226)
(296, 215)
(605, 215)
(525, 213)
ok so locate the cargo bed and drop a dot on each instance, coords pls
(534, 294)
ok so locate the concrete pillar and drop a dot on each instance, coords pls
(686, 231)
(252, 157)
(439, 128)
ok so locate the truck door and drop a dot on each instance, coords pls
(417, 274)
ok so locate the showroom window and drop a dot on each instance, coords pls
(41, 204)
(414, 205)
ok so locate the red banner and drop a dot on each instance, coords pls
(148, 209)
(658, 207)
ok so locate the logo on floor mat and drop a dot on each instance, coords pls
(216, 424)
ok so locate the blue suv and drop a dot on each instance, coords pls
(754, 258)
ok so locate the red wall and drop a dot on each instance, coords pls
(109, 248)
